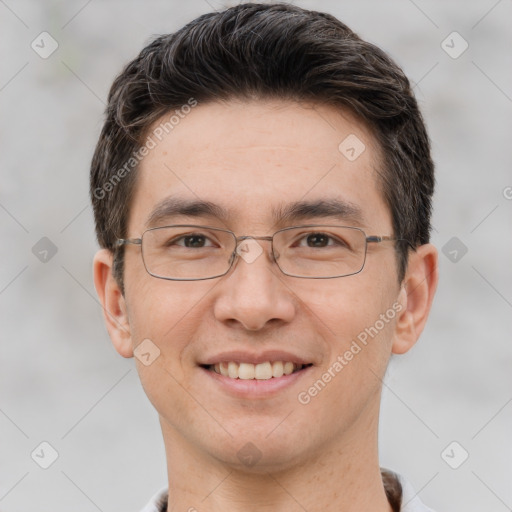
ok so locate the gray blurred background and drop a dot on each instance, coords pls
(61, 381)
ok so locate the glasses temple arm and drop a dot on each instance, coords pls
(386, 238)
(125, 241)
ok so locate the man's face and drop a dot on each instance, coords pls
(252, 159)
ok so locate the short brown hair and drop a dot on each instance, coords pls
(261, 51)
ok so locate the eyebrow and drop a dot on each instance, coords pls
(303, 210)
(283, 214)
(175, 206)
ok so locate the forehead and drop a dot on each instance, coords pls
(255, 159)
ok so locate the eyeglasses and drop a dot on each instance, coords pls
(188, 252)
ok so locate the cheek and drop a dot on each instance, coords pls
(358, 340)
(343, 308)
(158, 308)
(355, 319)
(168, 314)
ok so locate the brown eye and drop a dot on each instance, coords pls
(194, 241)
(317, 240)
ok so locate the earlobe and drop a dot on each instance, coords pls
(113, 303)
(416, 295)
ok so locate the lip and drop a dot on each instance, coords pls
(253, 388)
(239, 356)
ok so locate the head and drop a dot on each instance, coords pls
(249, 109)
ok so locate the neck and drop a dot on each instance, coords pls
(344, 476)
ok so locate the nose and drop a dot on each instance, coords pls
(253, 293)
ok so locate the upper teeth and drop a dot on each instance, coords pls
(261, 371)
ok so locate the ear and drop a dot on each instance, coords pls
(416, 295)
(113, 302)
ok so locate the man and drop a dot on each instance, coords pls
(262, 195)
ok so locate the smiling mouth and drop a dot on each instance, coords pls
(262, 371)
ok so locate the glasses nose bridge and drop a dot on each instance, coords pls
(251, 237)
(241, 238)
(247, 237)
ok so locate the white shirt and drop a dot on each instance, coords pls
(410, 501)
